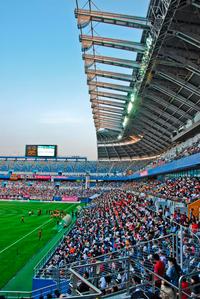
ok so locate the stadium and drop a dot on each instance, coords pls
(127, 224)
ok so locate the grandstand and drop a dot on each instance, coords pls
(128, 224)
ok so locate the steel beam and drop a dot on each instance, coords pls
(114, 151)
(158, 120)
(153, 143)
(93, 85)
(98, 106)
(152, 136)
(109, 95)
(85, 16)
(107, 126)
(189, 37)
(153, 124)
(92, 74)
(186, 63)
(150, 129)
(110, 115)
(180, 82)
(168, 105)
(108, 103)
(105, 119)
(149, 141)
(151, 146)
(155, 109)
(196, 3)
(164, 122)
(147, 131)
(174, 95)
(168, 63)
(125, 63)
(113, 110)
(123, 148)
(105, 123)
(88, 41)
(148, 121)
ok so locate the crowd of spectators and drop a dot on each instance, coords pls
(184, 149)
(182, 189)
(119, 223)
(43, 190)
(191, 150)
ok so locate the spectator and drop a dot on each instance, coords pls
(83, 287)
(166, 291)
(173, 271)
(185, 288)
(159, 268)
(195, 283)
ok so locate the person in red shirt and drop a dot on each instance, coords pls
(185, 288)
(159, 268)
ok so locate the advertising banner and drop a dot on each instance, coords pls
(70, 198)
(43, 177)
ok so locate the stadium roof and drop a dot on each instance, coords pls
(141, 106)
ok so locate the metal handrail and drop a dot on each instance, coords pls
(97, 292)
(180, 290)
(145, 282)
(123, 250)
(28, 293)
(51, 251)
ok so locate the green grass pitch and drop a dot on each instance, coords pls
(14, 253)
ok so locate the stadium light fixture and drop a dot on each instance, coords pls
(130, 106)
(125, 121)
(132, 97)
(144, 64)
(119, 137)
(101, 129)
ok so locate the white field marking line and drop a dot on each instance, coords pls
(27, 234)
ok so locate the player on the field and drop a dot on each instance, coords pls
(40, 234)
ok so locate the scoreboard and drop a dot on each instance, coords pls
(43, 151)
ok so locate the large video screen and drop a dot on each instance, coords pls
(46, 150)
(41, 151)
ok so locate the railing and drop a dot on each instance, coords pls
(75, 279)
(187, 246)
(141, 251)
(22, 294)
(121, 275)
(49, 254)
(189, 290)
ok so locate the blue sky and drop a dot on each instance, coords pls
(43, 91)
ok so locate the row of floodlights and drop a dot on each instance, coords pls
(143, 68)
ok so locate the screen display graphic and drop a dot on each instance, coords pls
(46, 151)
(41, 151)
(31, 150)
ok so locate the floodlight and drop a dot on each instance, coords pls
(130, 106)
